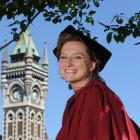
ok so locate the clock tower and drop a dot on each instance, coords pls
(24, 86)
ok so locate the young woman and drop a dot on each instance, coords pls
(94, 112)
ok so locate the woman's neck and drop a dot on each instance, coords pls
(78, 85)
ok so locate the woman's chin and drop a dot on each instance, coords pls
(68, 79)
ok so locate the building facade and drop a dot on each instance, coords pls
(24, 85)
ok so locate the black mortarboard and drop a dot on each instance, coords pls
(101, 53)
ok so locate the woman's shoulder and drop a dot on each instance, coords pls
(103, 90)
(98, 84)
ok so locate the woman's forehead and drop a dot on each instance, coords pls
(74, 46)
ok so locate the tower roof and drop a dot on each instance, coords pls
(23, 43)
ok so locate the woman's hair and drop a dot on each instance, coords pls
(65, 37)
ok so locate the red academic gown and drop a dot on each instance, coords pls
(96, 113)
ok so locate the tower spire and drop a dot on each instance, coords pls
(4, 57)
(29, 49)
(45, 58)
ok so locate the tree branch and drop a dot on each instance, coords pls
(1, 47)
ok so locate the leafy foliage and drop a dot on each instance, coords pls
(23, 12)
(123, 28)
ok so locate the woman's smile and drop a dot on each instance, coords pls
(71, 71)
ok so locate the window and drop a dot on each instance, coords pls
(10, 118)
(32, 116)
(10, 125)
(39, 119)
(18, 50)
(20, 116)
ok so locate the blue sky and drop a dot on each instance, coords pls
(122, 73)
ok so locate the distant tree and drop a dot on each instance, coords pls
(22, 13)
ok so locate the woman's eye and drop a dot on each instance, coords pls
(77, 57)
(63, 57)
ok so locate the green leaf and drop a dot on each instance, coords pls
(119, 20)
(90, 20)
(92, 12)
(97, 4)
(95, 38)
(9, 15)
(136, 33)
(48, 19)
(16, 37)
(14, 29)
(109, 37)
(138, 25)
(56, 19)
(74, 13)
(68, 18)
(83, 6)
(116, 38)
(46, 14)
(76, 21)
(130, 21)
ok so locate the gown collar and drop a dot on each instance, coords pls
(79, 91)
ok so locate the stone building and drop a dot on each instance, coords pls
(24, 85)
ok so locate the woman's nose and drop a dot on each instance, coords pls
(69, 62)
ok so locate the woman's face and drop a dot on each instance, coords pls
(74, 63)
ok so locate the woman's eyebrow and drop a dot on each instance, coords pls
(63, 53)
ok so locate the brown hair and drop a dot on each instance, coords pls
(65, 37)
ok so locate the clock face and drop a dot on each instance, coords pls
(17, 94)
(35, 96)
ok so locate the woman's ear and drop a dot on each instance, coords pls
(93, 66)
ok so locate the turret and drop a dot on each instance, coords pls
(45, 59)
(4, 58)
(29, 54)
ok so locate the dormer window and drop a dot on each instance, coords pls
(33, 50)
(18, 50)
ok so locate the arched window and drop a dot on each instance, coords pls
(20, 123)
(39, 119)
(32, 117)
(10, 118)
(39, 126)
(20, 116)
(10, 124)
(32, 123)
